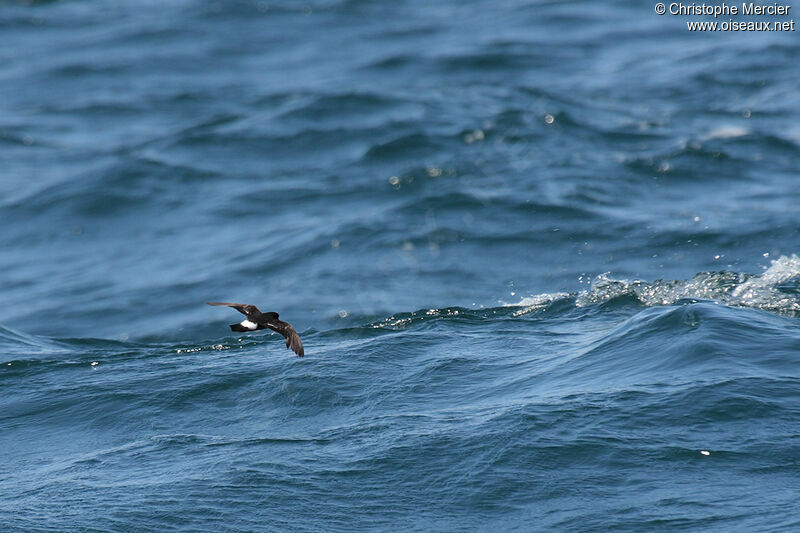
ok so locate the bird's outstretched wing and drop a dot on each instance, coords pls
(293, 341)
(245, 309)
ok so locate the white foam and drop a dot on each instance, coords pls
(536, 302)
(539, 299)
(730, 288)
(727, 132)
(762, 292)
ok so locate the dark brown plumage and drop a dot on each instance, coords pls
(257, 320)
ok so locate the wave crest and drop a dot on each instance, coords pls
(776, 290)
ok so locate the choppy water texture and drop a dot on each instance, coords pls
(542, 255)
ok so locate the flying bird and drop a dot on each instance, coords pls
(257, 320)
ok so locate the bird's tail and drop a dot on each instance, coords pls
(238, 327)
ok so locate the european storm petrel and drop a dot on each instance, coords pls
(258, 320)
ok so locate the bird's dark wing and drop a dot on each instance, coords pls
(293, 341)
(245, 309)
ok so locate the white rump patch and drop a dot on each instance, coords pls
(249, 325)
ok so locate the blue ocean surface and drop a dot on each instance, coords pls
(543, 257)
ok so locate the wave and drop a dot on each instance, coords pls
(776, 290)
(632, 372)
